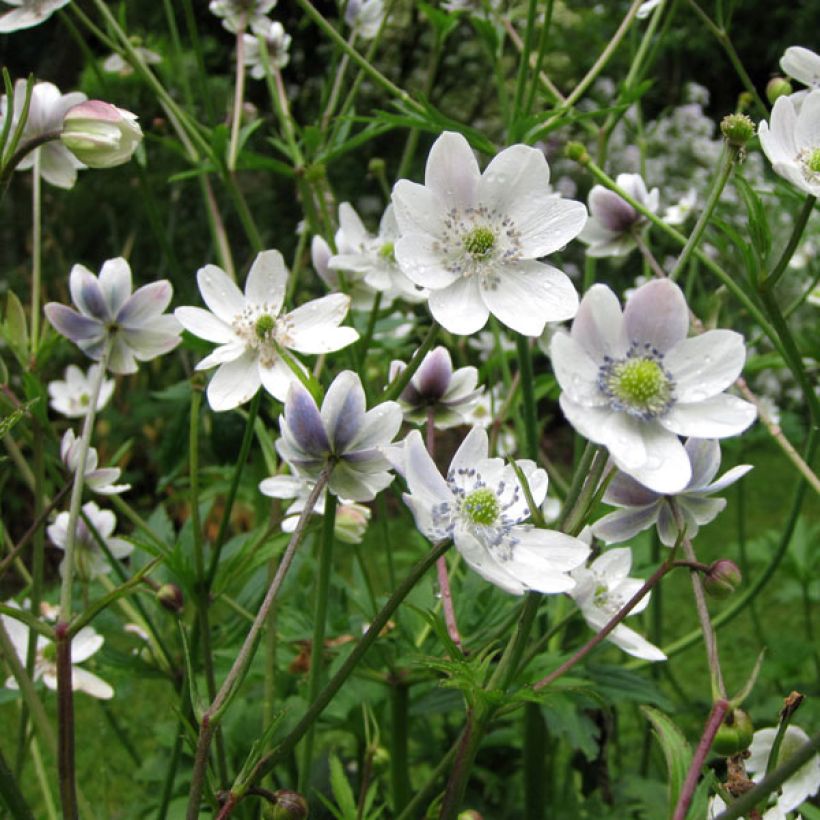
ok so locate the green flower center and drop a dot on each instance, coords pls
(85, 399)
(813, 162)
(479, 242)
(388, 252)
(638, 385)
(264, 325)
(481, 506)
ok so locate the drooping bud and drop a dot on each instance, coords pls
(737, 129)
(289, 806)
(722, 579)
(734, 735)
(777, 87)
(170, 596)
(100, 134)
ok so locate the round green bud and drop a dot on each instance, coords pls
(289, 806)
(376, 166)
(577, 152)
(170, 596)
(722, 579)
(734, 735)
(737, 129)
(777, 87)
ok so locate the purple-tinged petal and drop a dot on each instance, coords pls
(115, 283)
(624, 491)
(657, 314)
(622, 525)
(121, 358)
(73, 325)
(87, 294)
(378, 427)
(305, 423)
(704, 454)
(343, 410)
(433, 376)
(145, 304)
(701, 510)
(598, 325)
(612, 212)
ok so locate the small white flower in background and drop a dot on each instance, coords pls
(484, 343)
(604, 588)
(678, 213)
(645, 9)
(58, 166)
(342, 433)
(98, 480)
(246, 14)
(90, 560)
(475, 239)
(252, 334)
(814, 296)
(28, 13)
(803, 65)
(136, 322)
(634, 382)
(100, 134)
(436, 386)
(278, 48)
(351, 518)
(72, 396)
(641, 507)
(484, 413)
(791, 141)
(373, 257)
(610, 230)
(84, 644)
(481, 506)
(803, 784)
(115, 64)
(717, 807)
(480, 8)
(365, 17)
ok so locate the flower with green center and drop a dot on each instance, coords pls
(634, 382)
(790, 140)
(72, 396)
(481, 506)
(475, 239)
(252, 332)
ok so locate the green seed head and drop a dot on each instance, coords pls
(388, 252)
(738, 129)
(264, 325)
(479, 242)
(640, 384)
(481, 506)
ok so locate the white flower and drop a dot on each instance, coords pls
(803, 784)
(72, 396)
(90, 560)
(633, 381)
(474, 239)
(678, 213)
(803, 65)
(251, 333)
(484, 413)
(373, 257)
(613, 222)
(98, 480)
(641, 507)
(107, 308)
(436, 386)
(58, 166)
(717, 807)
(100, 134)
(84, 644)
(484, 343)
(482, 508)
(602, 590)
(645, 9)
(365, 17)
(342, 433)
(28, 13)
(278, 45)
(351, 518)
(791, 141)
(115, 64)
(244, 14)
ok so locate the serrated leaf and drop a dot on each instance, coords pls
(341, 789)
(675, 749)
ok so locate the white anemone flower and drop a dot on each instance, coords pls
(116, 64)
(645, 9)
(84, 644)
(72, 396)
(243, 14)
(633, 382)
(791, 141)
(372, 258)
(602, 590)
(47, 108)
(28, 13)
(341, 433)
(475, 239)
(680, 211)
(642, 507)
(481, 506)
(803, 65)
(252, 334)
(613, 222)
(135, 323)
(277, 41)
(365, 17)
(90, 560)
(97, 479)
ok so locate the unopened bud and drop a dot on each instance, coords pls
(777, 87)
(170, 596)
(351, 523)
(470, 814)
(376, 166)
(722, 579)
(100, 134)
(577, 152)
(734, 735)
(289, 806)
(737, 129)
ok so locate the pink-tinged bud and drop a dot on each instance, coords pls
(100, 134)
(289, 806)
(351, 523)
(170, 596)
(722, 579)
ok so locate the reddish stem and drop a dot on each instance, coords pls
(65, 723)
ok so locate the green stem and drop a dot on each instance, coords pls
(791, 246)
(11, 795)
(317, 648)
(393, 390)
(528, 394)
(524, 61)
(36, 251)
(399, 770)
(238, 97)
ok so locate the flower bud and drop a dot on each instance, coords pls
(170, 596)
(100, 134)
(722, 579)
(737, 129)
(734, 734)
(351, 523)
(289, 806)
(777, 87)
(577, 152)
(470, 814)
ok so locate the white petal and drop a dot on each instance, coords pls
(634, 644)
(807, 131)
(378, 428)
(282, 486)
(598, 325)
(528, 295)
(720, 416)
(613, 566)
(267, 281)
(313, 327)
(278, 378)
(622, 525)
(58, 166)
(220, 293)
(235, 383)
(115, 282)
(657, 313)
(86, 642)
(85, 681)
(666, 468)
(204, 324)
(802, 64)
(576, 372)
(485, 564)
(418, 209)
(705, 365)
(704, 454)
(459, 307)
(452, 171)
(421, 474)
(472, 450)
(728, 478)
(222, 354)
(422, 262)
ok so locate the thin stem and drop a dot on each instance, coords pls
(791, 246)
(393, 390)
(65, 726)
(36, 251)
(528, 394)
(238, 96)
(18, 156)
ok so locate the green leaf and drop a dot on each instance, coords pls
(16, 327)
(442, 22)
(758, 224)
(341, 789)
(8, 422)
(675, 749)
